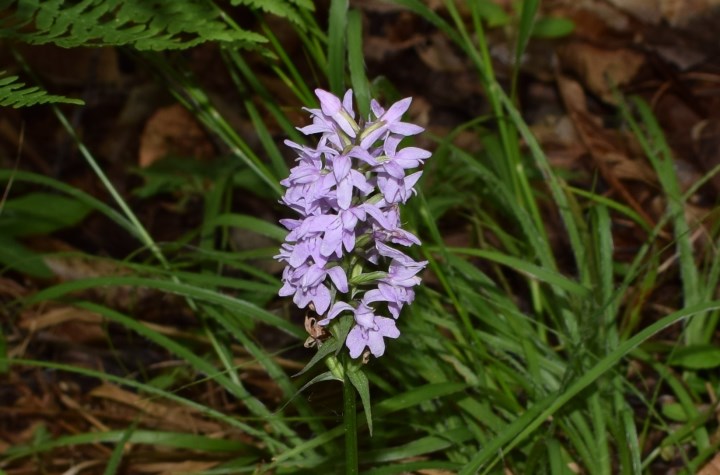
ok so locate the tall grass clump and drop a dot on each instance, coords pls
(521, 350)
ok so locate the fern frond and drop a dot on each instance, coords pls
(282, 8)
(143, 24)
(13, 93)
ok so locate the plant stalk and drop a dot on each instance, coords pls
(350, 422)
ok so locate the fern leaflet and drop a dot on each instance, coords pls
(14, 94)
(143, 24)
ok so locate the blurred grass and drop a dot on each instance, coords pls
(510, 359)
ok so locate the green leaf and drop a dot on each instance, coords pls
(326, 376)
(166, 439)
(144, 24)
(542, 274)
(417, 396)
(492, 13)
(696, 357)
(118, 451)
(249, 223)
(356, 63)
(367, 277)
(41, 213)
(674, 411)
(16, 256)
(282, 8)
(13, 93)
(239, 307)
(552, 27)
(361, 384)
(337, 28)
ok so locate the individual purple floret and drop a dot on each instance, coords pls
(347, 191)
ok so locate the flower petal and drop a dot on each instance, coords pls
(338, 277)
(356, 341)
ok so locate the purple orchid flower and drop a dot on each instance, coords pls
(347, 191)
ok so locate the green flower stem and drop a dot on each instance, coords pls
(350, 422)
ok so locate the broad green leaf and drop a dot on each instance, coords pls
(18, 257)
(40, 213)
(696, 357)
(552, 27)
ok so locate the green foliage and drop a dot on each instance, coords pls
(13, 93)
(144, 24)
(35, 214)
(289, 9)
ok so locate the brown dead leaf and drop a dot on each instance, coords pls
(68, 267)
(173, 130)
(560, 141)
(611, 158)
(79, 467)
(69, 324)
(166, 416)
(681, 12)
(598, 68)
(174, 468)
(57, 316)
(84, 413)
(712, 467)
(11, 289)
(647, 11)
(438, 54)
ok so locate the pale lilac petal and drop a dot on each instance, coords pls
(388, 251)
(363, 155)
(374, 295)
(336, 310)
(286, 290)
(387, 327)
(331, 240)
(405, 128)
(397, 110)
(344, 192)
(394, 170)
(356, 341)
(315, 128)
(376, 214)
(349, 241)
(364, 316)
(299, 254)
(314, 275)
(390, 189)
(291, 224)
(302, 299)
(360, 182)
(329, 104)
(321, 299)
(372, 137)
(376, 344)
(348, 103)
(391, 144)
(376, 108)
(341, 166)
(411, 157)
(338, 277)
